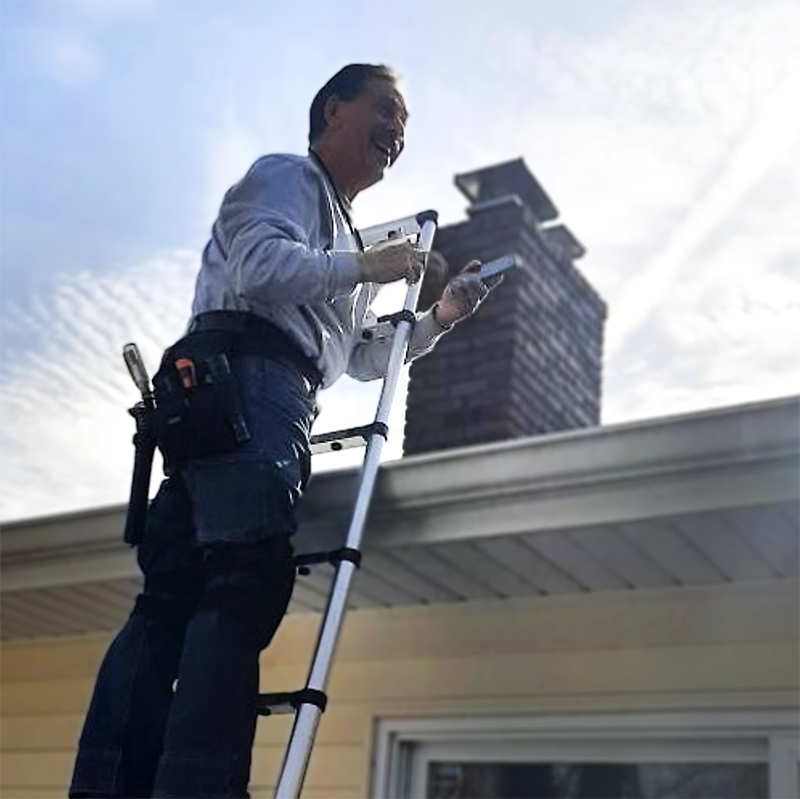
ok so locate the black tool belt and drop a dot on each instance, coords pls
(257, 336)
(198, 409)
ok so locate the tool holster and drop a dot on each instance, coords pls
(144, 442)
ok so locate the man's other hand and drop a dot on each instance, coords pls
(461, 296)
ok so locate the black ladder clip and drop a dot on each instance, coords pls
(338, 440)
(334, 557)
(282, 703)
(400, 316)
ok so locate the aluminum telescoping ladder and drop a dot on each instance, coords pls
(309, 703)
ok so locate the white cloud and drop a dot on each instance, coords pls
(639, 121)
(66, 55)
(66, 433)
(65, 40)
(669, 143)
(671, 146)
(726, 330)
(765, 143)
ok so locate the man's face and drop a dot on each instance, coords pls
(372, 130)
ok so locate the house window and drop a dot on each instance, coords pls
(637, 756)
(596, 780)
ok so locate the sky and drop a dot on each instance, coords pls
(665, 131)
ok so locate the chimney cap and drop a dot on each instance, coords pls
(562, 240)
(501, 180)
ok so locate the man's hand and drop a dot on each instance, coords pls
(461, 296)
(395, 262)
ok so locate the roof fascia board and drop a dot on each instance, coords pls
(733, 457)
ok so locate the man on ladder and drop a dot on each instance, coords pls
(280, 310)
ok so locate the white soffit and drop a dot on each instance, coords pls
(690, 500)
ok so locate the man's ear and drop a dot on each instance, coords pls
(333, 111)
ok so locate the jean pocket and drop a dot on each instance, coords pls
(243, 501)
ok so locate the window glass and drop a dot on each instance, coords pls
(451, 780)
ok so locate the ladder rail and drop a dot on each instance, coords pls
(301, 741)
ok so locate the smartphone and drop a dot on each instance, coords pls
(490, 272)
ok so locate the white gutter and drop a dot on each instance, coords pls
(732, 457)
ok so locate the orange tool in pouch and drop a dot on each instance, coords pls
(186, 370)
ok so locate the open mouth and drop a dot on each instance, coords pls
(385, 150)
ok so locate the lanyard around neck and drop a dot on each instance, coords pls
(343, 208)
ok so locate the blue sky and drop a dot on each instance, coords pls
(665, 131)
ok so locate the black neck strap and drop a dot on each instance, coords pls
(343, 206)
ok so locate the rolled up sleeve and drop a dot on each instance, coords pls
(369, 358)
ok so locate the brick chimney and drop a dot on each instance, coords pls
(529, 361)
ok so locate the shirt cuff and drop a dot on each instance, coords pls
(438, 324)
(429, 329)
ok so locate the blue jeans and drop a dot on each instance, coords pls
(219, 571)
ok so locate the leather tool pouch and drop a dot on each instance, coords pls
(198, 408)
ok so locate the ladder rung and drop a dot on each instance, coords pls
(338, 440)
(283, 703)
(276, 704)
(332, 557)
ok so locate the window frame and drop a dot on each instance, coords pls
(402, 746)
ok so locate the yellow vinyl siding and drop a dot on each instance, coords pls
(31, 733)
(688, 648)
(34, 793)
